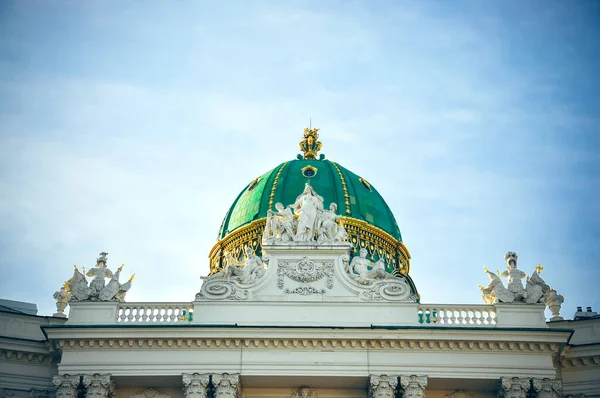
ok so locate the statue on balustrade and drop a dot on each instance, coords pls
(535, 291)
(97, 290)
(365, 271)
(62, 298)
(514, 276)
(245, 272)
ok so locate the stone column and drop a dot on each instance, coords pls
(66, 385)
(383, 386)
(547, 388)
(227, 385)
(195, 385)
(514, 387)
(413, 386)
(98, 386)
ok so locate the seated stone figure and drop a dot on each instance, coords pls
(364, 271)
(329, 230)
(280, 225)
(244, 272)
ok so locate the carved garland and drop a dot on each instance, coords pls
(305, 271)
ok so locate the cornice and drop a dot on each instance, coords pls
(24, 356)
(583, 361)
(311, 343)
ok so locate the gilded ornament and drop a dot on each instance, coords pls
(310, 144)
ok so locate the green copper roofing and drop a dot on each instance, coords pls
(365, 203)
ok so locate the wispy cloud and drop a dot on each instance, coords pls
(134, 135)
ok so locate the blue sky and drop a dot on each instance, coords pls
(130, 127)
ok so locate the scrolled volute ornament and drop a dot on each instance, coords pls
(227, 385)
(413, 386)
(547, 388)
(195, 385)
(382, 386)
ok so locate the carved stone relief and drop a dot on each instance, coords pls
(306, 272)
(413, 386)
(222, 290)
(227, 385)
(547, 388)
(195, 385)
(98, 385)
(304, 392)
(66, 385)
(396, 290)
(513, 387)
(382, 386)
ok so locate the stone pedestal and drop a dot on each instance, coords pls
(227, 385)
(98, 386)
(382, 386)
(547, 388)
(195, 385)
(93, 313)
(66, 385)
(521, 315)
(514, 387)
(413, 386)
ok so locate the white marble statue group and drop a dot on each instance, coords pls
(535, 291)
(304, 221)
(244, 272)
(364, 271)
(77, 288)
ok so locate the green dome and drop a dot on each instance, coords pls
(356, 198)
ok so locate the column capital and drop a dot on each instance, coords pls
(98, 385)
(195, 384)
(547, 388)
(514, 387)
(227, 385)
(66, 385)
(382, 386)
(413, 386)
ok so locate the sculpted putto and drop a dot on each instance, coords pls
(308, 223)
(245, 272)
(535, 291)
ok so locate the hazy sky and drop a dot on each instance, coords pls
(130, 127)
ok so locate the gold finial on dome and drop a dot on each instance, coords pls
(310, 144)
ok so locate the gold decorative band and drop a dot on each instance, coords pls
(275, 181)
(346, 196)
(378, 243)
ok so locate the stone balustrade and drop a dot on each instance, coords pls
(457, 315)
(155, 313)
(438, 315)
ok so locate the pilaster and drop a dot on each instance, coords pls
(413, 386)
(382, 386)
(98, 385)
(195, 385)
(227, 385)
(66, 385)
(514, 387)
(547, 388)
